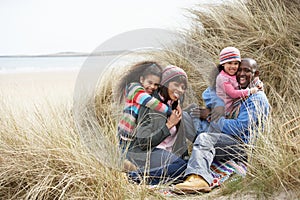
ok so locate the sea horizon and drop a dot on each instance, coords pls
(61, 61)
(67, 54)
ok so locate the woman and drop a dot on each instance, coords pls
(159, 148)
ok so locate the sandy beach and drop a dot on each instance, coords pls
(35, 85)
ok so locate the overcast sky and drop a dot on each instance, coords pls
(51, 26)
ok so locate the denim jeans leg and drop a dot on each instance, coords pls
(163, 167)
(204, 152)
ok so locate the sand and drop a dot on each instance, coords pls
(24, 93)
(38, 84)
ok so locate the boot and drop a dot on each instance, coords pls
(193, 184)
(129, 166)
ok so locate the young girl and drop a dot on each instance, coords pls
(227, 87)
(137, 85)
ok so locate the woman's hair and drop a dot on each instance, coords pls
(141, 69)
(164, 89)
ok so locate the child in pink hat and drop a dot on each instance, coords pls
(227, 87)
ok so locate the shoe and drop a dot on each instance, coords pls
(129, 166)
(193, 184)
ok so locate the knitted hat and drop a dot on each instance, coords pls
(171, 72)
(229, 54)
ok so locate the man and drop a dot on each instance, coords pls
(231, 137)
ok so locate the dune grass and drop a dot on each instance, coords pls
(269, 32)
(42, 155)
(43, 158)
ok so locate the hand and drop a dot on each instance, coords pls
(253, 90)
(178, 109)
(258, 83)
(175, 117)
(260, 86)
(201, 113)
(217, 112)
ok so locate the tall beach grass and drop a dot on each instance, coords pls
(42, 155)
(269, 32)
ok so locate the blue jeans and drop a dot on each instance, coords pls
(209, 147)
(200, 125)
(162, 167)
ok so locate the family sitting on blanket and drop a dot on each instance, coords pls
(158, 144)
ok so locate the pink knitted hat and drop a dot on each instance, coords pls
(229, 54)
(170, 72)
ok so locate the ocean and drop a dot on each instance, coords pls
(29, 64)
